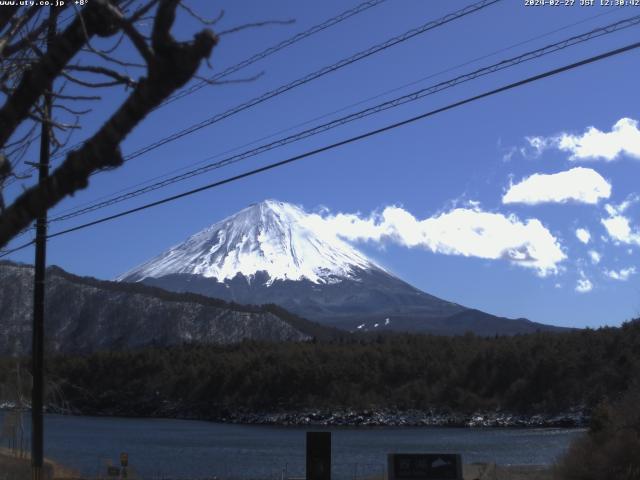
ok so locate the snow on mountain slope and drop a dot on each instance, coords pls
(275, 237)
(276, 253)
(85, 315)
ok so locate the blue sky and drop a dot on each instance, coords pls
(457, 167)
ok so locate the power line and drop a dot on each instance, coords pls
(472, 8)
(315, 75)
(308, 78)
(325, 115)
(5, 253)
(396, 102)
(263, 54)
(252, 59)
(271, 166)
(625, 23)
(276, 48)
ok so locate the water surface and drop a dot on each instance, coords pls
(185, 448)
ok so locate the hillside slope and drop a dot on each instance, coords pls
(275, 252)
(85, 315)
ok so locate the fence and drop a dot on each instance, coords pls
(269, 471)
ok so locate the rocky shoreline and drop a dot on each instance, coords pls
(411, 418)
(574, 418)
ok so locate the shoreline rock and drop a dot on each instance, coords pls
(409, 418)
(573, 418)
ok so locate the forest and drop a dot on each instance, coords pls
(536, 373)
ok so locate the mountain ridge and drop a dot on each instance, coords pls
(85, 314)
(274, 252)
(276, 237)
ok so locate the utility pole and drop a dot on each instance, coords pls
(37, 347)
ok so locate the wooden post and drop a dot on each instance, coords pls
(37, 347)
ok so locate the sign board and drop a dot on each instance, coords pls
(113, 471)
(318, 455)
(124, 459)
(425, 466)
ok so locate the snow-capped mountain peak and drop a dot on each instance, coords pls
(276, 253)
(271, 236)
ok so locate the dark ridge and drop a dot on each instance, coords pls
(354, 304)
(307, 327)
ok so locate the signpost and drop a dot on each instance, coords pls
(425, 466)
(121, 471)
(113, 471)
(318, 455)
(124, 462)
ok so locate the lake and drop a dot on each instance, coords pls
(161, 448)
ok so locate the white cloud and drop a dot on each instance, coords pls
(618, 226)
(594, 144)
(508, 155)
(621, 275)
(539, 145)
(583, 185)
(584, 285)
(583, 235)
(595, 257)
(468, 232)
(622, 207)
(623, 139)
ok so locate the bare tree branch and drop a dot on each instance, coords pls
(6, 15)
(60, 96)
(5, 171)
(138, 14)
(71, 110)
(108, 72)
(239, 28)
(22, 139)
(200, 18)
(59, 145)
(138, 40)
(115, 61)
(42, 119)
(115, 45)
(90, 84)
(172, 65)
(24, 42)
(252, 78)
(18, 23)
(98, 21)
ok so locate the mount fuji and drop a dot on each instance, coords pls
(275, 252)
